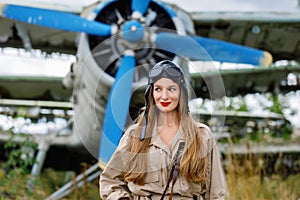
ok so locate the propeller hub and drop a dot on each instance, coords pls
(133, 31)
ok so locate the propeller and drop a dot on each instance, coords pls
(205, 49)
(117, 107)
(193, 47)
(139, 6)
(56, 19)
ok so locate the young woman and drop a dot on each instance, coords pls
(165, 154)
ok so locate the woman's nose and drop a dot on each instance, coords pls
(165, 94)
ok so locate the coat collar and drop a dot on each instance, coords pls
(158, 142)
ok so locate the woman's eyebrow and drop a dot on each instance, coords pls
(162, 85)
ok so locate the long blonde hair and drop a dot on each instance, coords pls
(192, 166)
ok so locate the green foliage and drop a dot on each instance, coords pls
(277, 107)
(21, 154)
(236, 104)
(256, 136)
(49, 181)
(243, 108)
(14, 183)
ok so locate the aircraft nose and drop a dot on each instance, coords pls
(133, 31)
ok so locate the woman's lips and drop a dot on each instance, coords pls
(165, 104)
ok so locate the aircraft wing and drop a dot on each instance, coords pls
(33, 88)
(20, 35)
(275, 32)
(246, 81)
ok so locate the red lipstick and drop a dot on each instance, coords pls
(165, 104)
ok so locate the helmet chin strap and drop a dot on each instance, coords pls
(143, 132)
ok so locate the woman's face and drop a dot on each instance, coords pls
(166, 94)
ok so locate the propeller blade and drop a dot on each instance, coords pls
(228, 52)
(139, 6)
(117, 108)
(55, 19)
(199, 48)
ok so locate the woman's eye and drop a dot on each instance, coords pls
(157, 89)
(172, 89)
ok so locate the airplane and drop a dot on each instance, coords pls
(117, 42)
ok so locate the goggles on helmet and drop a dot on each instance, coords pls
(166, 70)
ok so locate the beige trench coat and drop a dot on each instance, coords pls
(112, 186)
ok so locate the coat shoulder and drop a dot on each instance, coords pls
(204, 130)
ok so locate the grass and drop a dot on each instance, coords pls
(244, 180)
(251, 187)
(248, 180)
(14, 186)
(260, 177)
